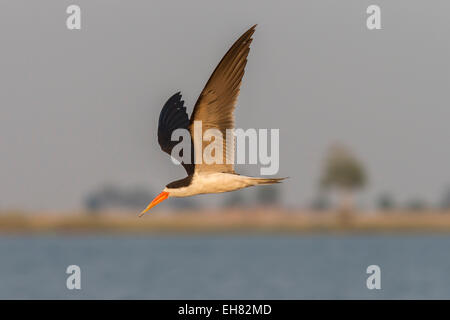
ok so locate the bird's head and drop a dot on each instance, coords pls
(159, 198)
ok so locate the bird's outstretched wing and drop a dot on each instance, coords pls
(173, 116)
(216, 103)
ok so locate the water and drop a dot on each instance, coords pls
(215, 267)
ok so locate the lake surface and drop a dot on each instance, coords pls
(225, 266)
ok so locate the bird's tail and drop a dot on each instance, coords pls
(261, 181)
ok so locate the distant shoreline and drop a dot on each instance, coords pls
(252, 220)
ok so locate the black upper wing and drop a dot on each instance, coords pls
(173, 116)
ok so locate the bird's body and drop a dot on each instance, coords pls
(214, 109)
(212, 182)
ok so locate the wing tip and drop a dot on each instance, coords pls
(175, 97)
(252, 29)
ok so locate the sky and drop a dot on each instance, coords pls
(79, 108)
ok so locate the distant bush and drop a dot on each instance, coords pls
(385, 202)
(321, 202)
(234, 199)
(268, 195)
(416, 204)
(445, 202)
(114, 197)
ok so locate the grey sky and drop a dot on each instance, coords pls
(80, 108)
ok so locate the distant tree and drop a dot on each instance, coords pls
(268, 195)
(386, 202)
(344, 172)
(445, 203)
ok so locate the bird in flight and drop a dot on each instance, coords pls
(214, 109)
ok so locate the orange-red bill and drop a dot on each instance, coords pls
(159, 198)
